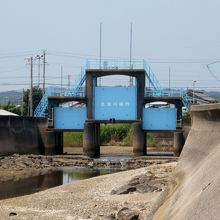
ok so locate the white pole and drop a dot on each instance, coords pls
(131, 79)
(100, 46)
(100, 50)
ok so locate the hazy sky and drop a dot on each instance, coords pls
(182, 34)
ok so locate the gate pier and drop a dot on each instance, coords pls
(139, 140)
(91, 146)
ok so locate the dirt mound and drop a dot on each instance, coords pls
(145, 183)
(196, 194)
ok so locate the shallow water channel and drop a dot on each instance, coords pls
(60, 176)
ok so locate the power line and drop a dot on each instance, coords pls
(152, 60)
(84, 56)
(17, 54)
(210, 72)
(26, 84)
(12, 70)
(180, 61)
(70, 54)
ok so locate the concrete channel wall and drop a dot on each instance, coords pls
(195, 194)
(27, 135)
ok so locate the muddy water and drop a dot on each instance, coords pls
(58, 177)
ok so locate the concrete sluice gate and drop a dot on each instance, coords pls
(116, 104)
(195, 193)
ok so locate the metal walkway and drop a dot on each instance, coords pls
(154, 88)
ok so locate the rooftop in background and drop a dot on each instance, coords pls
(201, 95)
(4, 112)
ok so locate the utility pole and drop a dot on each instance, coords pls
(22, 103)
(44, 69)
(31, 88)
(61, 82)
(131, 44)
(100, 50)
(100, 46)
(68, 82)
(169, 77)
(194, 83)
(38, 57)
(131, 78)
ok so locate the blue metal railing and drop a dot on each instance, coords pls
(186, 100)
(154, 88)
(77, 90)
(151, 77)
(126, 64)
(42, 106)
(114, 64)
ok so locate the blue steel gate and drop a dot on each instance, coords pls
(119, 103)
(159, 119)
(69, 118)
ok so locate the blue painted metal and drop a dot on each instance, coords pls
(125, 64)
(69, 118)
(77, 90)
(186, 100)
(159, 118)
(119, 103)
(154, 87)
(151, 77)
(42, 106)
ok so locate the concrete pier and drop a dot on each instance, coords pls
(58, 143)
(91, 146)
(139, 139)
(97, 138)
(178, 142)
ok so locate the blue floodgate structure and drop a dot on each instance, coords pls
(143, 103)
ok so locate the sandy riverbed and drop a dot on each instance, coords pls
(135, 193)
(129, 194)
(15, 167)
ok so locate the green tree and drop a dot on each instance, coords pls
(12, 108)
(37, 96)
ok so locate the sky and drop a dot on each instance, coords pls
(180, 35)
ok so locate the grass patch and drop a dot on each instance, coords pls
(118, 135)
(73, 139)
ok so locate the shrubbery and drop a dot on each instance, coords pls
(119, 134)
(115, 134)
(111, 134)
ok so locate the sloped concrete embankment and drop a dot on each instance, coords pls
(196, 194)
